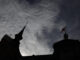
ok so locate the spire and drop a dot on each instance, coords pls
(19, 35)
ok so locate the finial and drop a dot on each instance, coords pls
(65, 36)
(65, 33)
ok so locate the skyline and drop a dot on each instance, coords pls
(45, 20)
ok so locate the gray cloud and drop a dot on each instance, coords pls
(41, 21)
(45, 20)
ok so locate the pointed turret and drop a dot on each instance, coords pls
(19, 35)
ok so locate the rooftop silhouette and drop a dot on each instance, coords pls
(9, 48)
(66, 49)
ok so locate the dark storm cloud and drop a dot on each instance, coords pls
(70, 13)
(33, 1)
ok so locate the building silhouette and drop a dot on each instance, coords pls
(66, 49)
(9, 48)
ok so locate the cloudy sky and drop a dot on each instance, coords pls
(45, 20)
